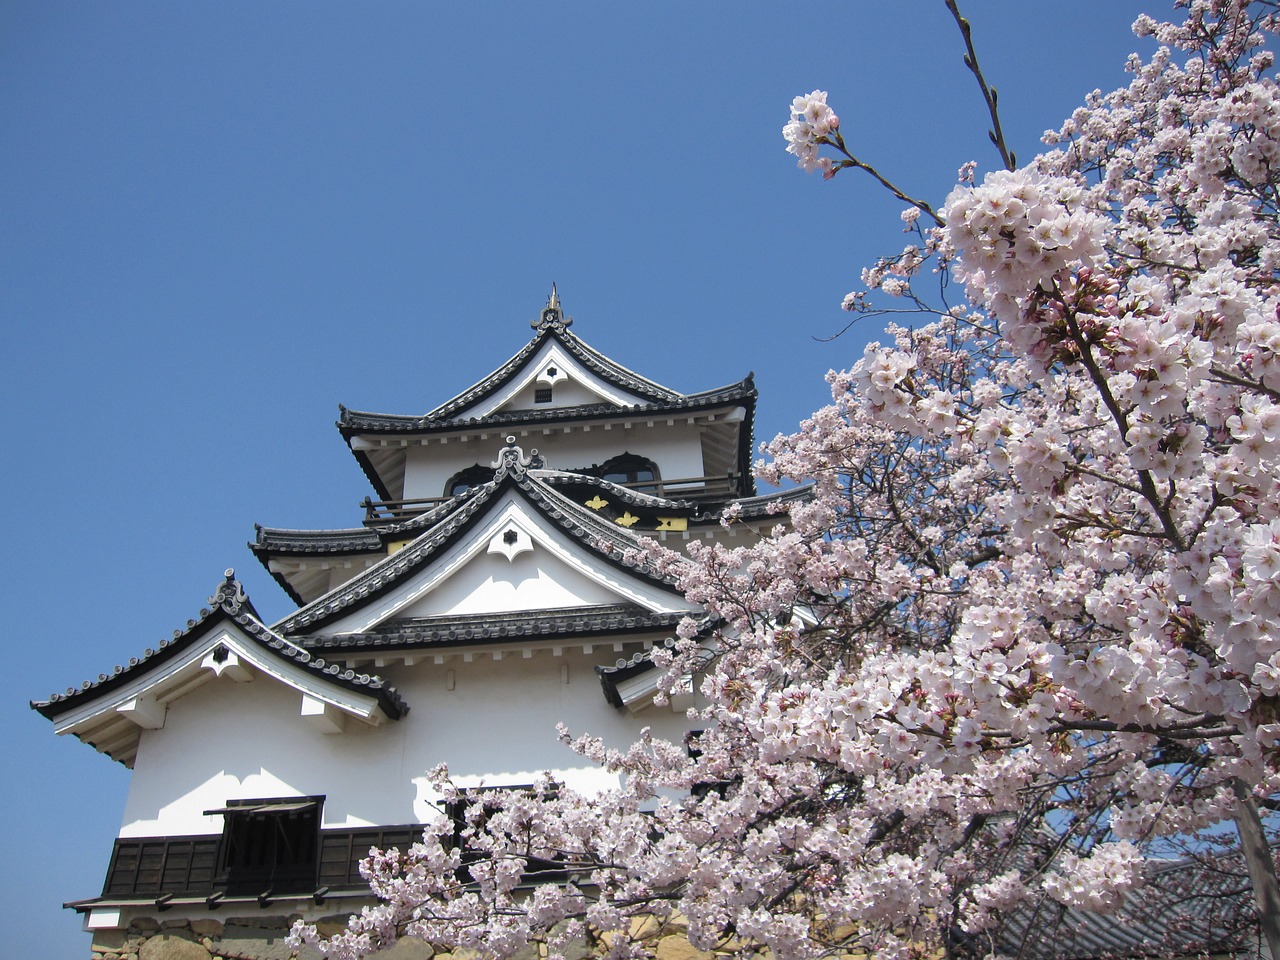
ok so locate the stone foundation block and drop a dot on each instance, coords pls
(108, 941)
(407, 948)
(678, 948)
(206, 928)
(165, 946)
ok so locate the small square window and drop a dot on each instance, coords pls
(542, 395)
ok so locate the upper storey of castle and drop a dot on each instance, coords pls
(579, 410)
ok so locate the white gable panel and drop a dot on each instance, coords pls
(490, 583)
(554, 553)
(573, 384)
(196, 667)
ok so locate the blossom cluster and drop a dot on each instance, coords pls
(811, 123)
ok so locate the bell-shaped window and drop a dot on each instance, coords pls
(636, 472)
(466, 479)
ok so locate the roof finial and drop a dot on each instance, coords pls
(511, 460)
(552, 315)
(230, 594)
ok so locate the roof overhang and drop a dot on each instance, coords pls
(512, 512)
(113, 721)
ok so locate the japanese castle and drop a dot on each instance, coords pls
(491, 590)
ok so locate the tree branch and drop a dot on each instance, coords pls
(989, 94)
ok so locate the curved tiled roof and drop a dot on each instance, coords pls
(608, 540)
(420, 632)
(327, 542)
(228, 602)
(353, 422)
(589, 357)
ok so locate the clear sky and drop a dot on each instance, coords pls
(221, 220)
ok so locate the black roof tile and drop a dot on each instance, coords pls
(354, 422)
(416, 633)
(1189, 907)
(228, 602)
(325, 542)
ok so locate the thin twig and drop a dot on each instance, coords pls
(996, 133)
(836, 140)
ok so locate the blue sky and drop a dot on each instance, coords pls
(224, 219)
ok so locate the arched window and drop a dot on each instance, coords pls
(466, 479)
(629, 469)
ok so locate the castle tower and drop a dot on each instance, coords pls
(490, 591)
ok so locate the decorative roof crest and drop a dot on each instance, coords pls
(230, 594)
(552, 315)
(511, 460)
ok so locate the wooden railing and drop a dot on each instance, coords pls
(189, 866)
(378, 512)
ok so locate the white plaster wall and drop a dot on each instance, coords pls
(497, 724)
(675, 448)
(491, 583)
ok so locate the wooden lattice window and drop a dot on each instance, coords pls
(270, 845)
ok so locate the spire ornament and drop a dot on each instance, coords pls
(552, 315)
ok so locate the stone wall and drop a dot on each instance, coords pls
(235, 938)
(262, 938)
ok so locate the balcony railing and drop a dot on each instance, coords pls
(699, 489)
(165, 867)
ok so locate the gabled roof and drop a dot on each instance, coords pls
(552, 327)
(654, 516)
(90, 710)
(609, 544)
(621, 394)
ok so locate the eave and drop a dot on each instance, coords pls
(616, 622)
(379, 441)
(227, 639)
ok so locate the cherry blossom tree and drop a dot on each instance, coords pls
(1027, 629)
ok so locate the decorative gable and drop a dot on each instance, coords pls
(512, 546)
(227, 644)
(552, 379)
